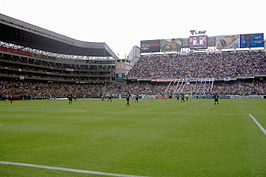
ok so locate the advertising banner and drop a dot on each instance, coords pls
(120, 67)
(211, 41)
(252, 40)
(20, 52)
(4, 49)
(185, 43)
(170, 45)
(162, 80)
(51, 58)
(105, 62)
(44, 56)
(120, 76)
(91, 61)
(228, 42)
(198, 42)
(150, 46)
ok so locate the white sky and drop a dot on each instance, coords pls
(124, 23)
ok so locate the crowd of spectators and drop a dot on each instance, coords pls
(15, 66)
(195, 65)
(200, 65)
(250, 87)
(78, 65)
(34, 90)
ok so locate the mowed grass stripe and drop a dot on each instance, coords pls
(205, 136)
(150, 138)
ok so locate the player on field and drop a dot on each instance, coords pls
(216, 99)
(110, 98)
(186, 97)
(177, 97)
(137, 97)
(11, 98)
(182, 97)
(70, 99)
(128, 97)
(102, 96)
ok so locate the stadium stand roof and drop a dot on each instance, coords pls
(28, 35)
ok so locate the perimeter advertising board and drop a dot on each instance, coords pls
(170, 45)
(252, 40)
(198, 42)
(150, 46)
(228, 42)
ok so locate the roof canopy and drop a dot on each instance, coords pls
(27, 35)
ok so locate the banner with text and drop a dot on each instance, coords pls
(119, 76)
(150, 46)
(162, 80)
(228, 42)
(252, 40)
(120, 67)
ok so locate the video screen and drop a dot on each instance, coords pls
(150, 46)
(198, 42)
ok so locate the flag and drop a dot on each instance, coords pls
(21, 77)
(227, 79)
(69, 69)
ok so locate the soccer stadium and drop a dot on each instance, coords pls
(190, 106)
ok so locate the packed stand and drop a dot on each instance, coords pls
(200, 65)
(41, 90)
(30, 68)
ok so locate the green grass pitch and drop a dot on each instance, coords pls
(160, 138)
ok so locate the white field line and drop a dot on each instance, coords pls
(203, 113)
(32, 109)
(258, 124)
(66, 169)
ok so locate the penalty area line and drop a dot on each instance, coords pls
(258, 124)
(66, 169)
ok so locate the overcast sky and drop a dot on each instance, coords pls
(123, 23)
